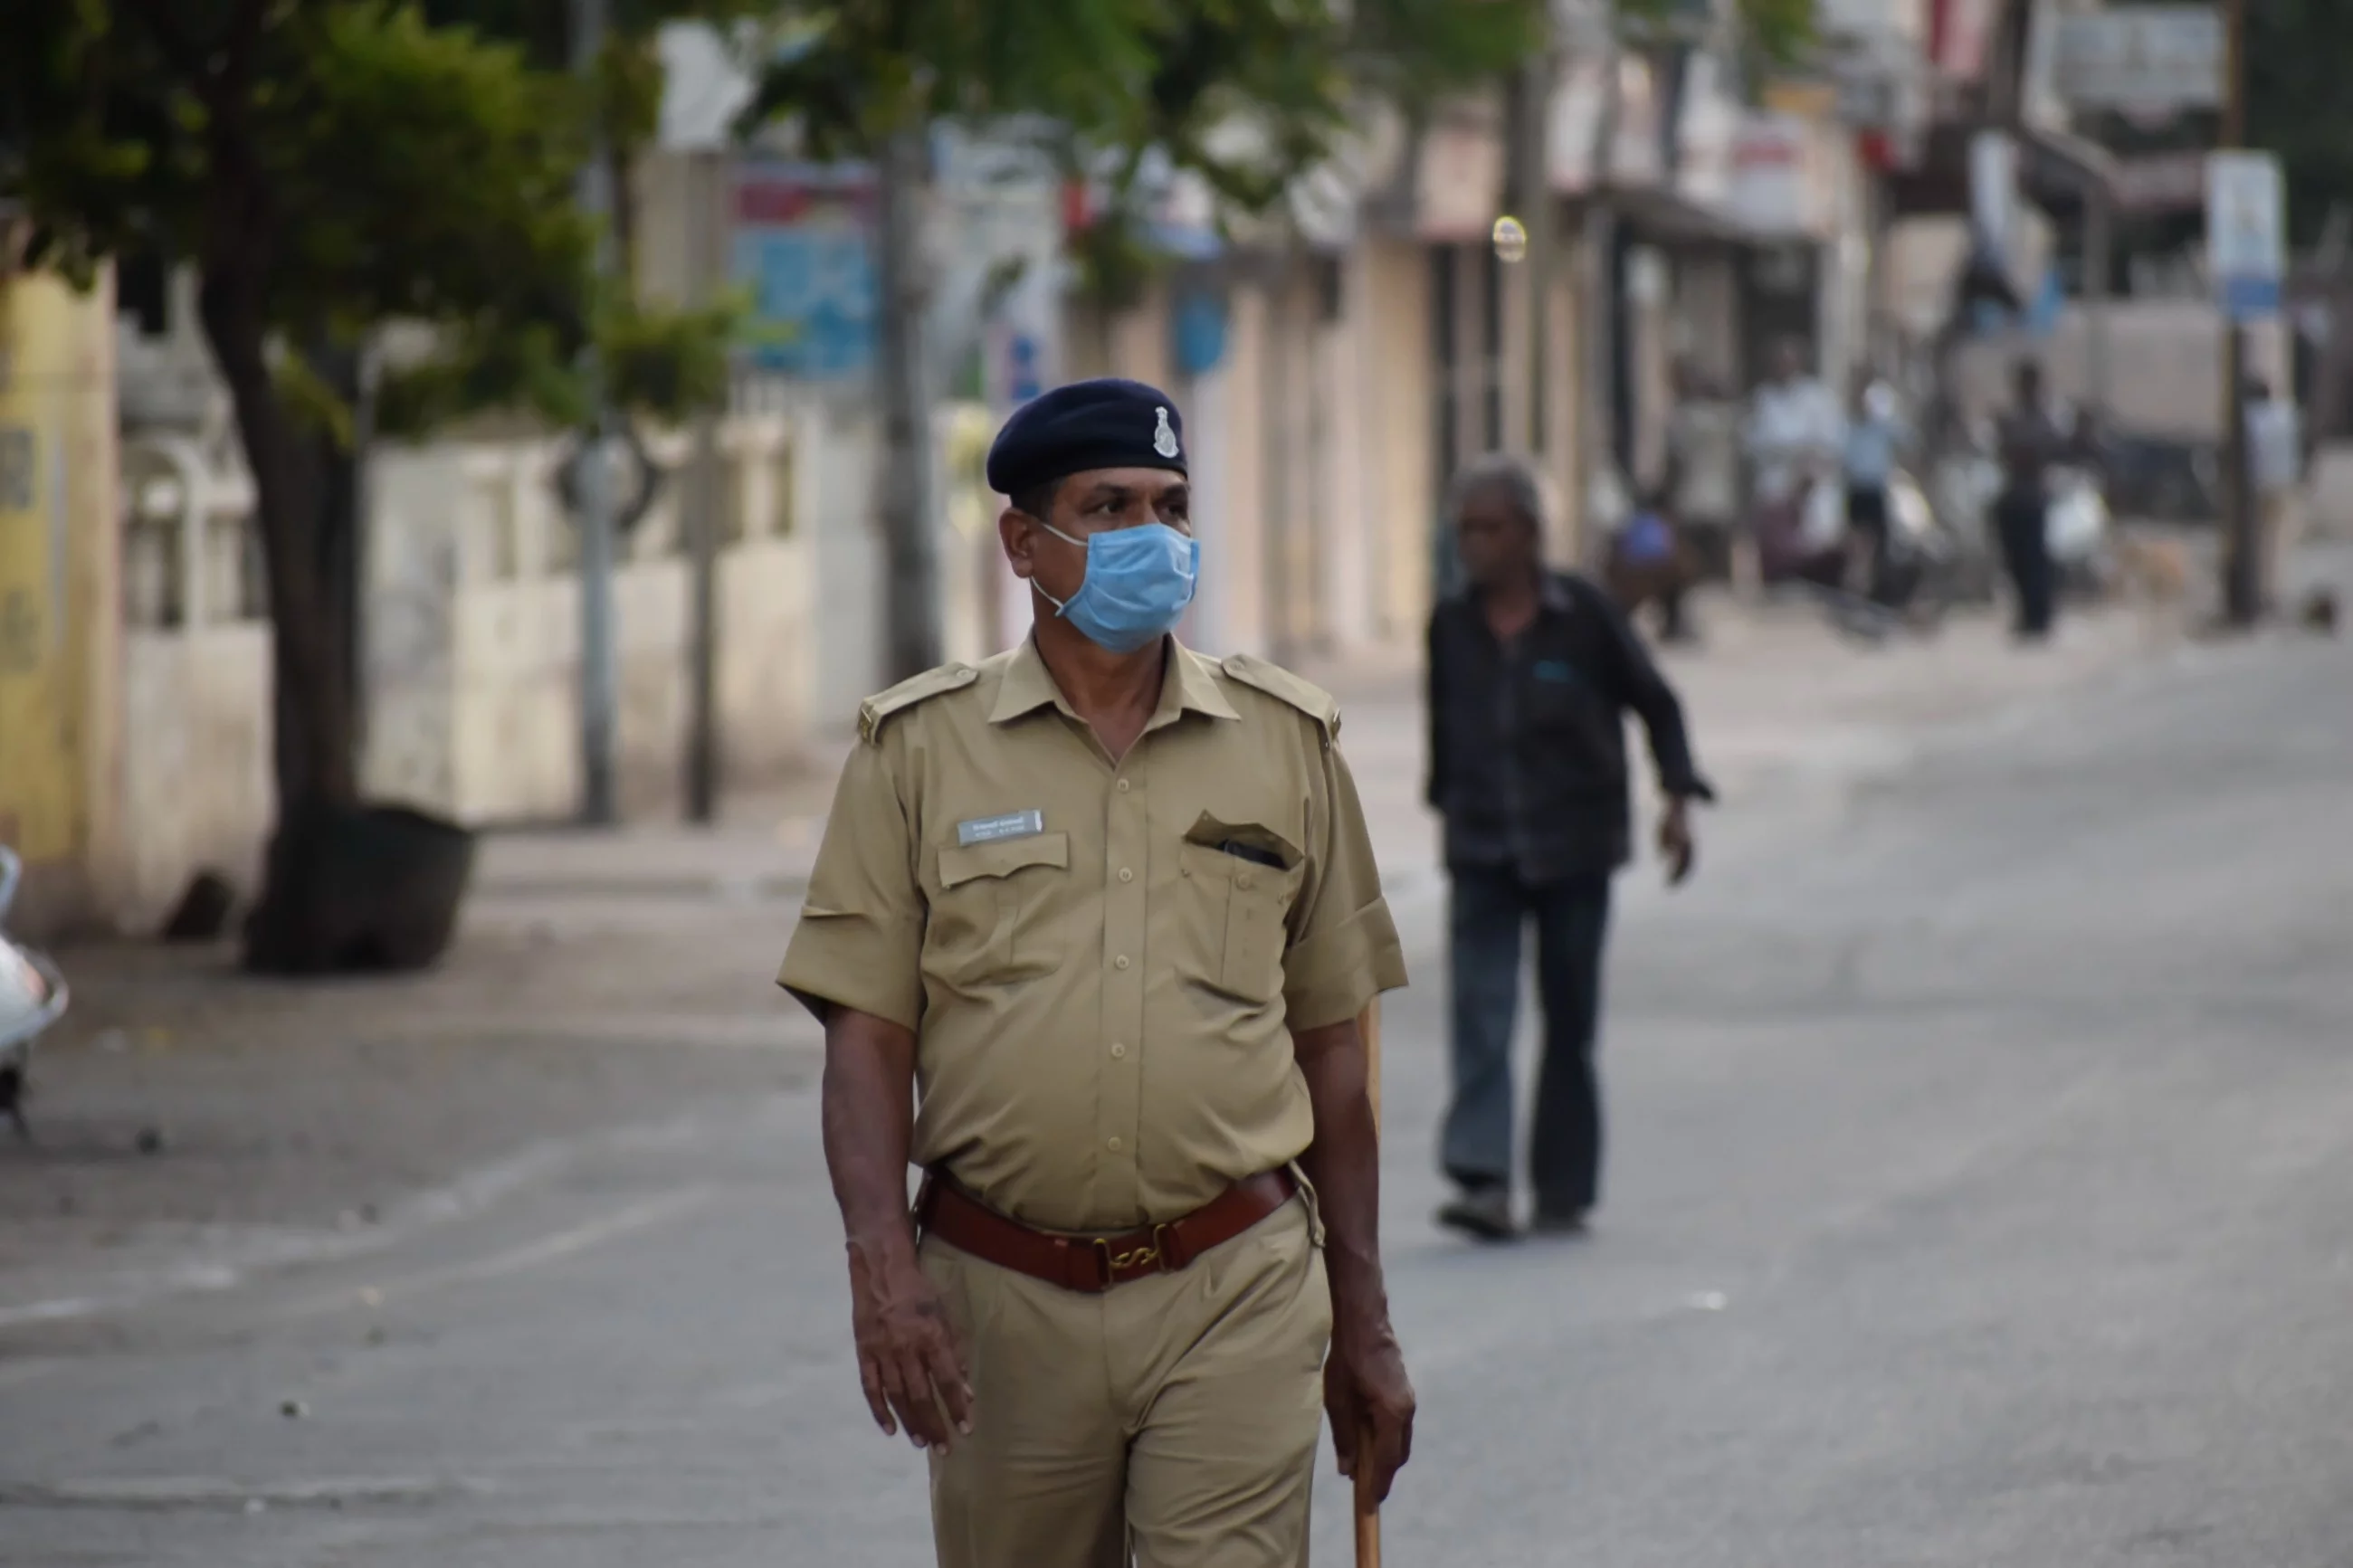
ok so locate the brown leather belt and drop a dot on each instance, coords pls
(1094, 1264)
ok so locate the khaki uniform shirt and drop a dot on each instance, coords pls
(1102, 992)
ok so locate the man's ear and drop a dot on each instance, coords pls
(1016, 531)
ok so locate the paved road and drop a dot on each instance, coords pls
(1983, 1194)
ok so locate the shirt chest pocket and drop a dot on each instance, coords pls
(994, 921)
(1561, 700)
(1233, 908)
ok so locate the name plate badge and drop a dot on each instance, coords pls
(995, 829)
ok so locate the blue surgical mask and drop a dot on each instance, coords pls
(1138, 582)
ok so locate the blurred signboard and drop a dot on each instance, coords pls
(1459, 174)
(1706, 130)
(1636, 157)
(1778, 179)
(2246, 233)
(804, 251)
(1961, 34)
(2140, 58)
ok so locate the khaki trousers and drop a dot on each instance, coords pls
(1174, 1418)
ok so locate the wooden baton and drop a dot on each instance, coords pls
(1368, 1507)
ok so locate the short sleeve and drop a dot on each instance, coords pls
(1343, 948)
(859, 940)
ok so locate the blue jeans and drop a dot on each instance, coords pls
(1491, 906)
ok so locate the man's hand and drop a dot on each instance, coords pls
(1370, 1401)
(908, 1359)
(1675, 841)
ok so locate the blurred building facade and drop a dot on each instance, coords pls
(1337, 360)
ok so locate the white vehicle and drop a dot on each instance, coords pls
(33, 997)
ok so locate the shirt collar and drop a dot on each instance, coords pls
(1185, 686)
(1552, 594)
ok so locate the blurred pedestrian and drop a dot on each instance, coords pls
(2033, 436)
(1650, 563)
(2276, 463)
(1795, 434)
(1090, 931)
(1532, 673)
(1876, 436)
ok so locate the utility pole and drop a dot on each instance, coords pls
(1599, 337)
(599, 675)
(1535, 204)
(705, 508)
(911, 544)
(2240, 555)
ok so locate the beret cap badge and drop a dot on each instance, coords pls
(1108, 423)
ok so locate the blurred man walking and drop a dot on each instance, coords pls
(2035, 436)
(1531, 675)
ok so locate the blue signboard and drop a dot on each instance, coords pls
(803, 249)
(1021, 366)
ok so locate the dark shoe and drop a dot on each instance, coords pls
(1484, 1212)
(1565, 1222)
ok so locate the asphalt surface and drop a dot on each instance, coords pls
(1981, 1194)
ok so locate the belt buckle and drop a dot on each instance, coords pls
(1156, 1250)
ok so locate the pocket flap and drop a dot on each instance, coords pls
(1211, 833)
(963, 863)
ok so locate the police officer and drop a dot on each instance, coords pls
(1088, 934)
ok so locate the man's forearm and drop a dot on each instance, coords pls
(1343, 1162)
(868, 1112)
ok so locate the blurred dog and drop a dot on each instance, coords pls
(2154, 571)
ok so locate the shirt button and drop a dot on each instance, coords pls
(1242, 881)
(1118, 1049)
(1122, 786)
(1120, 963)
(1126, 875)
(1113, 1145)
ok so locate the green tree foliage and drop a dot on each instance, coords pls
(2297, 105)
(328, 166)
(1128, 75)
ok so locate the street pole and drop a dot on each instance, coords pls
(599, 676)
(706, 220)
(1536, 205)
(2241, 596)
(1599, 338)
(911, 545)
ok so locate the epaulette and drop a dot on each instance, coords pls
(1279, 683)
(907, 693)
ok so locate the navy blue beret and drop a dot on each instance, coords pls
(1104, 423)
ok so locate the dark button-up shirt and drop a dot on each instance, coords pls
(1527, 743)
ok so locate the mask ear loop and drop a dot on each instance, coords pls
(1061, 606)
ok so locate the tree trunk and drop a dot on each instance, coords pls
(345, 887)
(911, 544)
(316, 761)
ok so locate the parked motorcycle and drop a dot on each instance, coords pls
(33, 996)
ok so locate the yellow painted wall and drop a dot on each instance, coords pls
(57, 531)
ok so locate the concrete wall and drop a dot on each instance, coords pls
(2164, 365)
(472, 640)
(197, 788)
